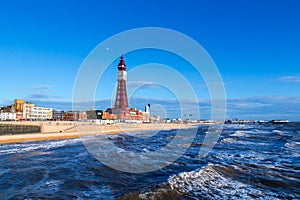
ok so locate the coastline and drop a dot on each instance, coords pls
(90, 130)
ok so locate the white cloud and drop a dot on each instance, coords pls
(290, 79)
(277, 107)
(41, 97)
(41, 87)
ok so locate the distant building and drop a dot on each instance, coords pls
(155, 118)
(135, 114)
(95, 114)
(58, 114)
(82, 116)
(6, 109)
(18, 105)
(70, 116)
(75, 116)
(106, 115)
(19, 115)
(7, 116)
(31, 111)
(27, 110)
(146, 114)
(40, 113)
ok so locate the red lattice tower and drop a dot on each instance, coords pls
(121, 103)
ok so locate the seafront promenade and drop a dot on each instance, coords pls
(64, 130)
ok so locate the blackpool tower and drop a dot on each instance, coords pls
(121, 103)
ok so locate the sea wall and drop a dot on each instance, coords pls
(15, 127)
(6, 129)
(68, 126)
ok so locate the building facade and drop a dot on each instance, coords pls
(7, 116)
(95, 114)
(146, 114)
(27, 110)
(58, 115)
(40, 113)
(75, 116)
(18, 105)
(6, 109)
(19, 115)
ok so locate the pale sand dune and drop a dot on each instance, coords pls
(89, 130)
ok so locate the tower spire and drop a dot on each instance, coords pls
(121, 103)
(122, 65)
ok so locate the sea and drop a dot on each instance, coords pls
(258, 161)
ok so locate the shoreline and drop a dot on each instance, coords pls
(92, 130)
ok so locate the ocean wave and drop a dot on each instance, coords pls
(245, 142)
(4, 171)
(277, 131)
(241, 157)
(210, 182)
(292, 144)
(228, 140)
(43, 145)
(239, 133)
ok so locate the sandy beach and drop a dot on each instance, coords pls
(81, 130)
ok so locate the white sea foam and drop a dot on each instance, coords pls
(292, 144)
(44, 145)
(208, 183)
(241, 156)
(100, 192)
(153, 195)
(277, 131)
(229, 140)
(239, 133)
(53, 183)
(243, 142)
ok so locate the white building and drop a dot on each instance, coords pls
(26, 109)
(146, 114)
(40, 113)
(5, 116)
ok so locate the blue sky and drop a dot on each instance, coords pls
(255, 45)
